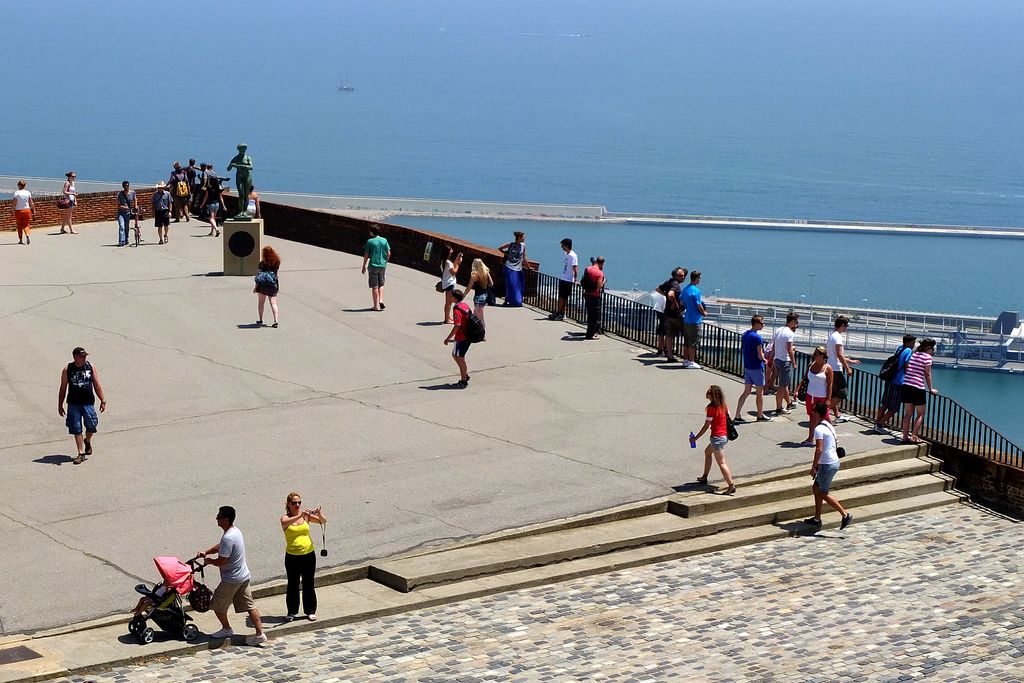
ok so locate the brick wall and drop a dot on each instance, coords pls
(408, 245)
(92, 207)
(992, 484)
(309, 226)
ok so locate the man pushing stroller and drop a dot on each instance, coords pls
(234, 579)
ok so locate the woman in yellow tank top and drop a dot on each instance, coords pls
(299, 555)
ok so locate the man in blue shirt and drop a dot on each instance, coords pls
(753, 369)
(693, 316)
(891, 396)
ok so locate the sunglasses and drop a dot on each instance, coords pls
(295, 502)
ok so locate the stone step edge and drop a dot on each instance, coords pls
(703, 504)
(539, 576)
(661, 504)
(858, 495)
(658, 505)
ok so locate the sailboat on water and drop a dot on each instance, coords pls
(345, 86)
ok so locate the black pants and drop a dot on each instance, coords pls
(300, 566)
(593, 315)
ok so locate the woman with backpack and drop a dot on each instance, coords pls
(267, 284)
(460, 313)
(718, 422)
(480, 282)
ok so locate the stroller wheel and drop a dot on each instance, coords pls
(146, 636)
(190, 632)
(136, 625)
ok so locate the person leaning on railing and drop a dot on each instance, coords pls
(916, 378)
(670, 322)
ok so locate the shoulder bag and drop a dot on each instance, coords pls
(730, 427)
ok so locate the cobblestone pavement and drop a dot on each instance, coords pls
(935, 595)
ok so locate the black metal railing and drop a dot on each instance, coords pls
(946, 422)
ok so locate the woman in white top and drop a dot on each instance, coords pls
(819, 390)
(451, 267)
(23, 210)
(824, 468)
(71, 195)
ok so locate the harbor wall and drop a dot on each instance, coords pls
(990, 483)
(420, 250)
(92, 207)
(417, 249)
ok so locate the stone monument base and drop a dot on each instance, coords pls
(243, 242)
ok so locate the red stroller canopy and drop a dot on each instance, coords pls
(175, 573)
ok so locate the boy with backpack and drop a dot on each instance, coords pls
(181, 193)
(891, 373)
(468, 329)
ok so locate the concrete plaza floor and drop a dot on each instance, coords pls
(352, 408)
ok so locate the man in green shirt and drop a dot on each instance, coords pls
(376, 252)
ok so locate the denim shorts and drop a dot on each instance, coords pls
(480, 299)
(823, 479)
(754, 377)
(77, 414)
(718, 443)
(213, 207)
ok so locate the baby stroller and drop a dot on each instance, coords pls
(162, 603)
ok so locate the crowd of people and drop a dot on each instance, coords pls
(189, 191)
(768, 366)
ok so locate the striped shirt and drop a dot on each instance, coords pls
(914, 375)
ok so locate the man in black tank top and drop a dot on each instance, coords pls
(80, 384)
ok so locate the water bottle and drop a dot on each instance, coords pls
(693, 440)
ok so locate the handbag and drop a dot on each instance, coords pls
(730, 428)
(840, 451)
(266, 278)
(438, 286)
(323, 530)
(801, 392)
(63, 203)
(200, 597)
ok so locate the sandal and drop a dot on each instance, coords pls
(703, 481)
(79, 460)
(729, 491)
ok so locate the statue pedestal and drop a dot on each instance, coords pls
(243, 241)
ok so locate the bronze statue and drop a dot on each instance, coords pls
(243, 181)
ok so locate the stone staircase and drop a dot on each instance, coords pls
(871, 485)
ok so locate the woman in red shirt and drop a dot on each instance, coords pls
(717, 421)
